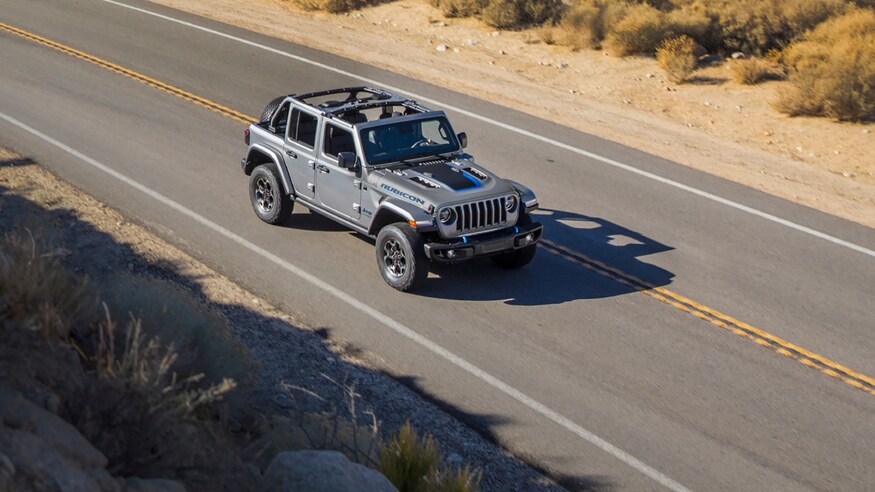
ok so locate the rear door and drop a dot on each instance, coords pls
(300, 150)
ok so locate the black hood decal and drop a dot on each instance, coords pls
(450, 176)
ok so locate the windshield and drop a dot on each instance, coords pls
(408, 140)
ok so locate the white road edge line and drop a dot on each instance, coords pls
(401, 329)
(520, 131)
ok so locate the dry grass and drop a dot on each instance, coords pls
(119, 387)
(141, 413)
(833, 70)
(36, 291)
(677, 57)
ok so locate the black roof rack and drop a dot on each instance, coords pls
(357, 98)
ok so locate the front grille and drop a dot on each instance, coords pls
(480, 216)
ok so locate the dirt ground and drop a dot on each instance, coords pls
(713, 124)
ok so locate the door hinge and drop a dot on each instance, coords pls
(311, 187)
(357, 207)
(312, 164)
(357, 184)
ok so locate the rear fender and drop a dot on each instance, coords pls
(260, 154)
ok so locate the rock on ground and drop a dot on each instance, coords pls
(322, 471)
(18, 413)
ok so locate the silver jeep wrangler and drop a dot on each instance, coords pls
(387, 167)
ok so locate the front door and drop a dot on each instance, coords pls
(300, 152)
(338, 189)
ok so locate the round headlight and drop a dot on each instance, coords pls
(446, 215)
(510, 203)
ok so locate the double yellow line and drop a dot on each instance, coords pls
(145, 79)
(716, 318)
(763, 338)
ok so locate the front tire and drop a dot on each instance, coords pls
(269, 201)
(401, 257)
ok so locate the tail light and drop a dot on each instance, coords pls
(246, 136)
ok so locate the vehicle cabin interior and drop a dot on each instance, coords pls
(353, 105)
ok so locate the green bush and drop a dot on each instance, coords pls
(832, 70)
(412, 462)
(676, 56)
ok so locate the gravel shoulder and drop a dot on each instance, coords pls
(713, 124)
(297, 368)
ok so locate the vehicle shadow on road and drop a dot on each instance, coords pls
(581, 257)
(266, 352)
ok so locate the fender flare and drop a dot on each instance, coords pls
(277, 161)
(391, 207)
(527, 196)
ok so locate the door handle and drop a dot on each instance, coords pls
(291, 154)
(323, 169)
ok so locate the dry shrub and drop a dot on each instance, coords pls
(689, 20)
(516, 14)
(139, 412)
(333, 6)
(37, 291)
(832, 70)
(460, 8)
(676, 56)
(585, 23)
(412, 462)
(640, 31)
(119, 387)
(755, 26)
(203, 338)
(752, 71)
(581, 26)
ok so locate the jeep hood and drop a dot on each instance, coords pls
(441, 183)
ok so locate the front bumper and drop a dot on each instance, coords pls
(485, 245)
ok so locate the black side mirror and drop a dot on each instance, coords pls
(463, 139)
(346, 160)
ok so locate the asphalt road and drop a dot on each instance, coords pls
(570, 368)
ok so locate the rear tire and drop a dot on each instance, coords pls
(271, 108)
(401, 257)
(269, 201)
(517, 258)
